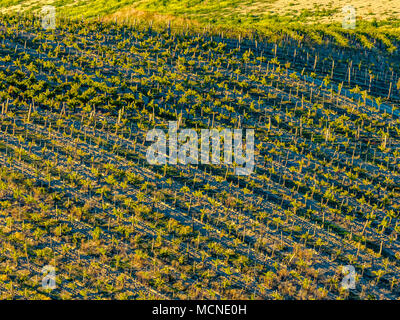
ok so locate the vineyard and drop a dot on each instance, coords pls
(77, 192)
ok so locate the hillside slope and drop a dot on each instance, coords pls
(77, 192)
(229, 12)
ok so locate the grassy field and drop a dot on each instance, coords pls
(229, 12)
(77, 191)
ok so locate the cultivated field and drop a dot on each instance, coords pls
(77, 193)
(230, 11)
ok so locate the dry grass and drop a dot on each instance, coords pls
(26, 5)
(365, 9)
